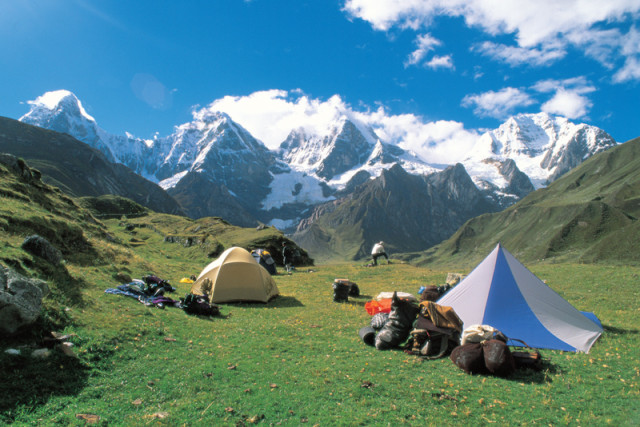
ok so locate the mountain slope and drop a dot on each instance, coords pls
(590, 214)
(408, 212)
(78, 169)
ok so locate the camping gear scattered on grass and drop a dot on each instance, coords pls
(396, 330)
(343, 289)
(432, 292)
(501, 292)
(149, 291)
(264, 258)
(498, 358)
(340, 291)
(157, 286)
(527, 359)
(368, 335)
(401, 295)
(480, 333)
(485, 351)
(235, 276)
(378, 320)
(436, 331)
(373, 307)
(199, 305)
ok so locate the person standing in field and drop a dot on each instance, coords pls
(377, 252)
(285, 254)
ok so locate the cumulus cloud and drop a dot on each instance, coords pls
(569, 96)
(500, 104)
(568, 104)
(271, 115)
(440, 62)
(542, 29)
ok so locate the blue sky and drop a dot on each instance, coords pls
(421, 72)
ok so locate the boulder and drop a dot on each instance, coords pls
(41, 247)
(20, 301)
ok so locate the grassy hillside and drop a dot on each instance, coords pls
(296, 360)
(589, 215)
(78, 169)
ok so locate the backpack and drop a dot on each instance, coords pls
(199, 305)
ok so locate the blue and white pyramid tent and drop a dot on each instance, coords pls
(503, 293)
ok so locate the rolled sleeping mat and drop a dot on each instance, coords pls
(368, 335)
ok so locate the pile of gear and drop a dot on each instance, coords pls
(343, 289)
(431, 331)
(151, 289)
(428, 330)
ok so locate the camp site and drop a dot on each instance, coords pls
(160, 319)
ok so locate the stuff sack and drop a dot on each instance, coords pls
(430, 293)
(396, 330)
(340, 291)
(498, 358)
(354, 291)
(374, 307)
(481, 333)
(469, 358)
(433, 293)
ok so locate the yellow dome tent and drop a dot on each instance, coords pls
(235, 276)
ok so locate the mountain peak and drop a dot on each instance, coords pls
(57, 102)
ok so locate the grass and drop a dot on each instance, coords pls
(299, 359)
(296, 360)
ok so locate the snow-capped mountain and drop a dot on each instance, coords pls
(542, 146)
(279, 188)
(345, 149)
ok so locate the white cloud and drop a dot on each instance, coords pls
(271, 115)
(442, 141)
(578, 84)
(425, 43)
(631, 49)
(542, 29)
(568, 104)
(514, 55)
(499, 104)
(569, 98)
(440, 62)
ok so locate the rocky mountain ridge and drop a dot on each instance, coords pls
(215, 167)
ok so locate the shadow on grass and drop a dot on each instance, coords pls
(284, 301)
(29, 382)
(281, 301)
(619, 331)
(361, 300)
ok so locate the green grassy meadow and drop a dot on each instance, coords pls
(298, 359)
